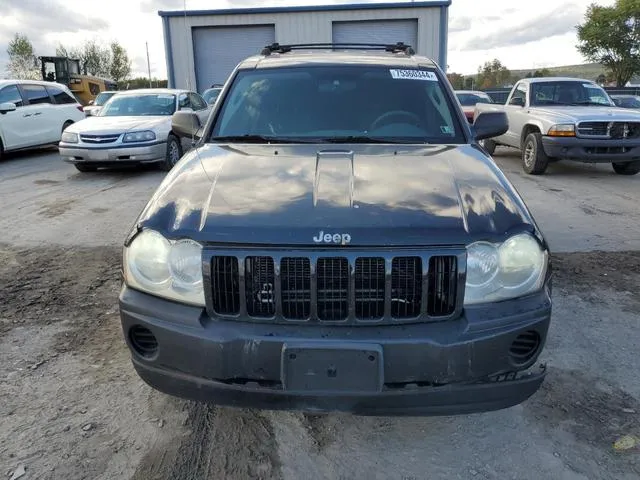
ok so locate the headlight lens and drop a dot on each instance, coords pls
(512, 269)
(562, 130)
(167, 269)
(144, 136)
(68, 137)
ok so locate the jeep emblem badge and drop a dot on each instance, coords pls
(337, 238)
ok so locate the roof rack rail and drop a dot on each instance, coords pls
(393, 48)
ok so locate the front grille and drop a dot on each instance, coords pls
(609, 130)
(343, 289)
(99, 139)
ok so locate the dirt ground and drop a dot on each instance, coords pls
(72, 407)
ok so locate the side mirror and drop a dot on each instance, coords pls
(490, 124)
(7, 107)
(186, 124)
(518, 102)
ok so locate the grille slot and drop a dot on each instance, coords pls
(295, 285)
(332, 288)
(369, 288)
(259, 286)
(592, 129)
(225, 285)
(406, 287)
(442, 286)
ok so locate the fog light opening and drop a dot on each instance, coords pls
(525, 347)
(143, 341)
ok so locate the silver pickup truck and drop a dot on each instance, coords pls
(554, 119)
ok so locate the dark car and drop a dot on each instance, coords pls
(626, 101)
(338, 240)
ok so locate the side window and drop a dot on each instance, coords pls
(197, 101)
(184, 101)
(36, 94)
(11, 94)
(519, 97)
(60, 96)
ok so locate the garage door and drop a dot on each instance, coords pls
(377, 31)
(218, 50)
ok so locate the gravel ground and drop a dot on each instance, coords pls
(71, 406)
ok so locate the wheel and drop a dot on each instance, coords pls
(628, 168)
(85, 168)
(489, 145)
(174, 153)
(534, 160)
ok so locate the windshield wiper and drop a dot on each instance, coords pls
(363, 139)
(588, 102)
(257, 139)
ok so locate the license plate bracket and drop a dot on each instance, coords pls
(342, 368)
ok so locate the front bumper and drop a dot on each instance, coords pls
(453, 367)
(117, 154)
(592, 151)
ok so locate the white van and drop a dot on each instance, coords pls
(35, 113)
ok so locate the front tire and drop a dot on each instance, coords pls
(534, 160)
(174, 153)
(85, 168)
(628, 168)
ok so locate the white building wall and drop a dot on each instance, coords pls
(296, 27)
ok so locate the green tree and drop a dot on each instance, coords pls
(456, 80)
(94, 58)
(120, 68)
(469, 83)
(142, 82)
(23, 63)
(611, 36)
(493, 74)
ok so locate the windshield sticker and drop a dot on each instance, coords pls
(446, 129)
(413, 75)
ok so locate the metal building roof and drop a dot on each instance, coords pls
(307, 8)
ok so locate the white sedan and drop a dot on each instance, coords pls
(134, 127)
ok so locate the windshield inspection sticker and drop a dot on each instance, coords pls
(413, 75)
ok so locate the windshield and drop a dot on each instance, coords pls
(628, 102)
(469, 99)
(331, 104)
(568, 93)
(102, 98)
(211, 95)
(139, 105)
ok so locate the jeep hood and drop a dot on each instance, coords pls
(378, 195)
(113, 125)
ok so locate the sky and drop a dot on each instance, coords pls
(521, 34)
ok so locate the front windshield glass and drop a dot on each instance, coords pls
(102, 98)
(469, 99)
(338, 103)
(568, 93)
(140, 105)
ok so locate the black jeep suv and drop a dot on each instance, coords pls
(338, 240)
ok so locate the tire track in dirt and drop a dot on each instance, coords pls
(221, 443)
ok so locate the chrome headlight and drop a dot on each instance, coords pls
(169, 269)
(511, 269)
(144, 136)
(69, 137)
